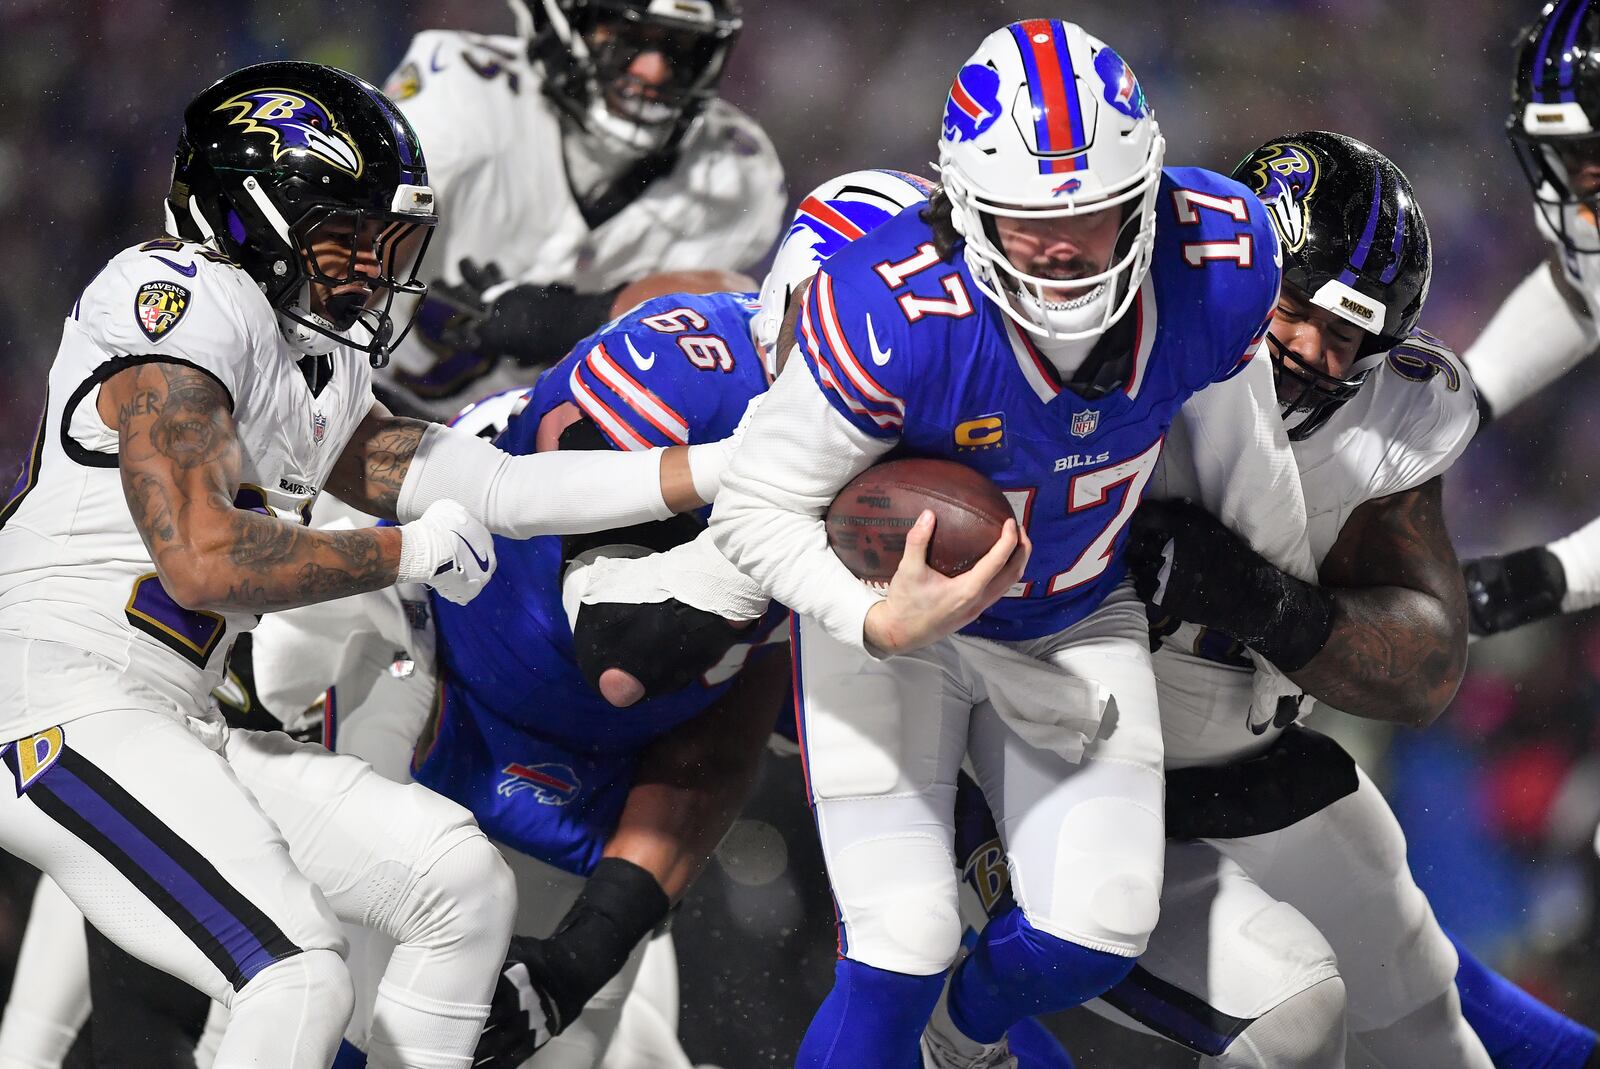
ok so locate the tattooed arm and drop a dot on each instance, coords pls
(395, 468)
(369, 473)
(179, 456)
(1398, 648)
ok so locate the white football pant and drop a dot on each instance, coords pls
(1248, 924)
(883, 741)
(50, 988)
(154, 838)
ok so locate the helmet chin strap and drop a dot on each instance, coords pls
(299, 326)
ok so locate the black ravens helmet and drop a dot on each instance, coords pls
(305, 175)
(1554, 124)
(588, 48)
(1354, 242)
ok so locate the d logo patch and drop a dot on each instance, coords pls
(159, 307)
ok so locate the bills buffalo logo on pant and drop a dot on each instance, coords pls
(550, 784)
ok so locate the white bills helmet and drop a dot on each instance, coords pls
(829, 218)
(1044, 122)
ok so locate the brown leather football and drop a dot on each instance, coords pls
(868, 521)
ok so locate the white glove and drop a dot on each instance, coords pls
(447, 549)
(709, 460)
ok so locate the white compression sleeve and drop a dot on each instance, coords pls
(543, 493)
(693, 573)
(1533, 339)
(1579, 554)
(796, 455)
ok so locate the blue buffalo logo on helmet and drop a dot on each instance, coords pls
(835, 223)
(1285, 178)
(549, 783)
(1122, 89)
(294, 122)
(974, 102)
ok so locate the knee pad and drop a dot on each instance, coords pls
(909, 924)
(320, 974)
(1106, 887)
(467, 894)
(1305, 1031)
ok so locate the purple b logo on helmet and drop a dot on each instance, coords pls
(294, 122)
(1284, 177)
(1122, 89)
(974, 103)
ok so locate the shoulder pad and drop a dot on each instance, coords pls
(676, 370)
(183, 302)
(1216, 247)
(1427, 405)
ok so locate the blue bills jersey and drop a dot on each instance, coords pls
(905, 347)
(543, 762)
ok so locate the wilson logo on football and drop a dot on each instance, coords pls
(550, 784)
(159, 307)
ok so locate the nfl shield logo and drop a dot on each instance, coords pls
(319, 427)
(1085, 422)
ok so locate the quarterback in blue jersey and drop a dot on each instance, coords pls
(1060, 302)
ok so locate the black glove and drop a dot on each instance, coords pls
(665, 645)
(547, 982)
(1506, 592)
(522, 1018)
(1191, 567)
(531, 324)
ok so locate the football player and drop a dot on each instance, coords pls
(208, 385)
(1547, 325)
(674, 813)
(1044, 320)
(1289, 914)
(637, 643)
(584, 152)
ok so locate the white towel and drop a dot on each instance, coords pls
(1046, 706)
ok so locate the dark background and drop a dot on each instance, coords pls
(1501, 798)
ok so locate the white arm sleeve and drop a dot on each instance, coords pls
(796, 455)
(1579, 554)
(694, 573)
(1247, 474)
(1533, 339)
(544, 493)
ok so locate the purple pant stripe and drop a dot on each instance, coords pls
(242, 946)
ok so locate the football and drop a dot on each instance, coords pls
(868, 520)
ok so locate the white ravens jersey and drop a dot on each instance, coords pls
(493, 141)
(73, 567)
(1409, 423)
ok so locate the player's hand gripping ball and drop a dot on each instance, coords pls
(868, 520)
